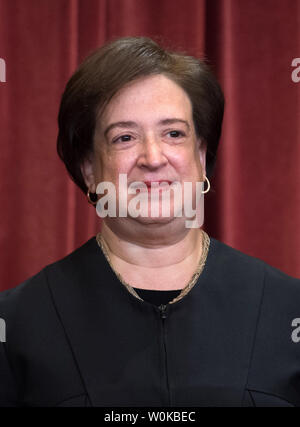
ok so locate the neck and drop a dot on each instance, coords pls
(155, 247)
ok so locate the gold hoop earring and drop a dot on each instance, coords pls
(208, 186)
(88, 195)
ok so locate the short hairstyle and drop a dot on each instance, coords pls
(111, 67)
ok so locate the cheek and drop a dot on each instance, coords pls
(112, 165)
(188, 166)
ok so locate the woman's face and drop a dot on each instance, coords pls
(147, 132)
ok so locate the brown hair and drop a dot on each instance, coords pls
(117, 63)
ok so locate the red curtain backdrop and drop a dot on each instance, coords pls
(254, 204)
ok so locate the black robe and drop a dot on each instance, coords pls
(75, 336)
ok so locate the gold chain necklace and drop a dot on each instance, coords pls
(205, 247)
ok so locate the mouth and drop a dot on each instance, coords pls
(160, 183)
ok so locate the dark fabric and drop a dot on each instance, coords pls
(77, 337)
(157, 297)
(254, 203)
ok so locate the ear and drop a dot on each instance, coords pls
(87, 171)
(202, 148)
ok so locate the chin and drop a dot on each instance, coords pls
(153, 220)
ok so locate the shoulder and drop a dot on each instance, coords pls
(35, 345)
(277, 295)
(32, 300)
(279, 292)
(274, 368)
(76, 258)
(234, 262)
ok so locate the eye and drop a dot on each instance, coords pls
(123, 138)
(175, 133)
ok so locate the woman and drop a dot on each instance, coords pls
(151, 312)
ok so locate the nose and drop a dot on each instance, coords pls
(152, 155)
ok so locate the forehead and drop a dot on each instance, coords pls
(148, 99)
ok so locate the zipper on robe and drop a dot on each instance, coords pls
(163, 314)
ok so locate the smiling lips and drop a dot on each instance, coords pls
(156, 183)
(161, 184)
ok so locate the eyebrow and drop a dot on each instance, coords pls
(175, 120)
(130, 124)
